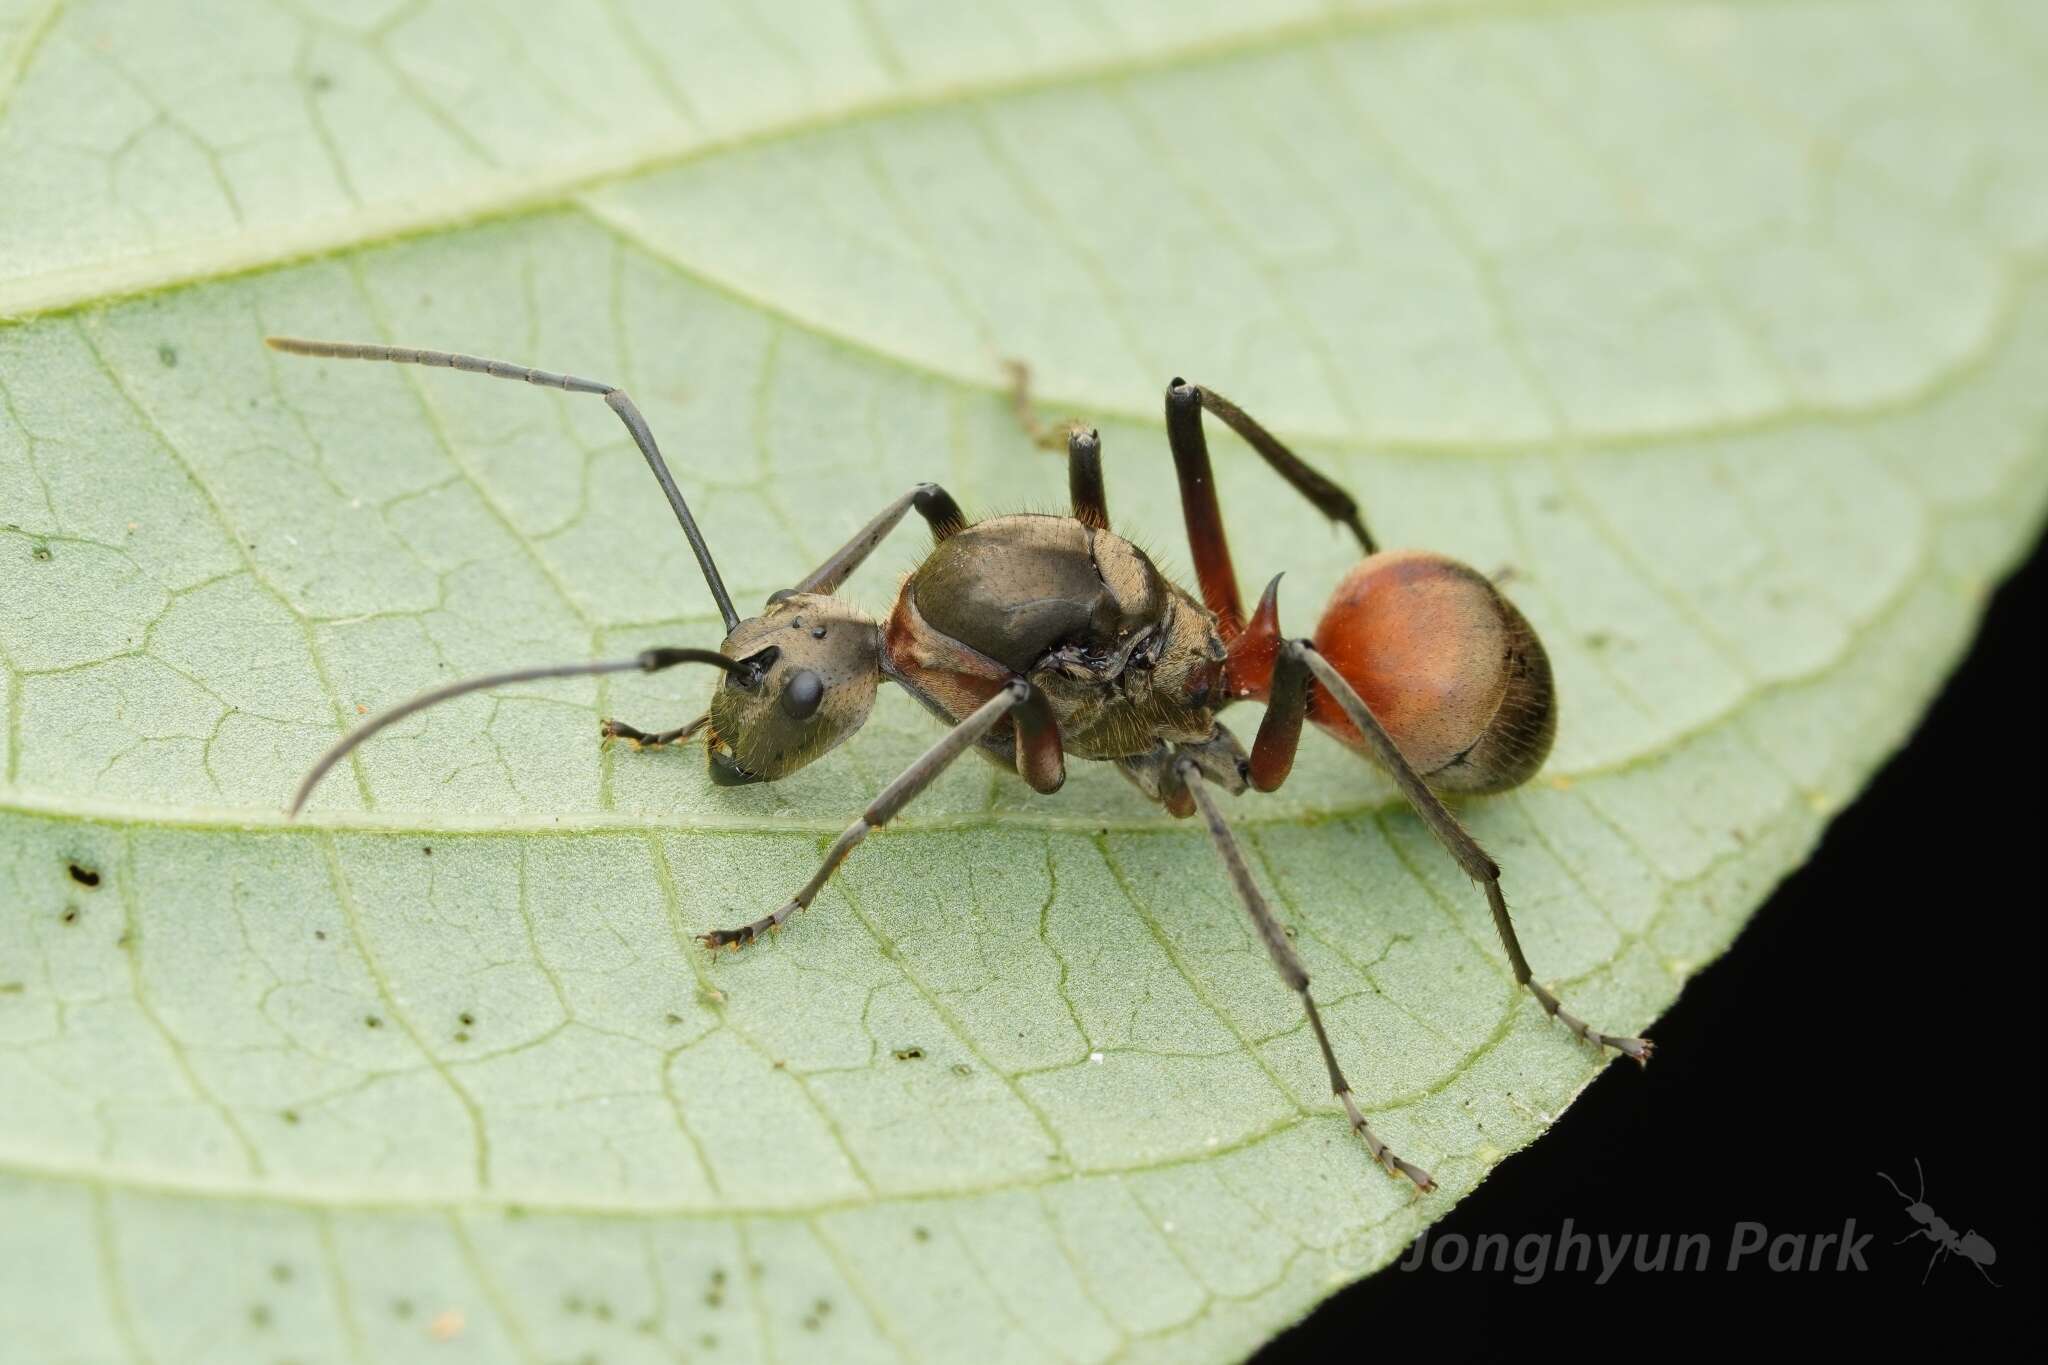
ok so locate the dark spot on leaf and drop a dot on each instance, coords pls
(674, 1018)
(259, 1315)
(708, 1341)
(401, 1308)
(289, 1115)
(41, 554)
(467, 1018)
(962, 1069)
(713, 1299)
(11, 988)
(822, 1307)
(70, 915)
(320, 81)
(909, 1054)
(427, 849)
(372, 1021)
(168, 354)
(921, 1233)
(320, 934)
(281, 1272)
(573, 1304)
(1597, 640)
(718, 1275)
(462, 1035)
(84, 876)
(601, 1310)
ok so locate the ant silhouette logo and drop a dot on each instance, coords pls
(1969, 1245)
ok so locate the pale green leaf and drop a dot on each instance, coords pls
(1722, 326)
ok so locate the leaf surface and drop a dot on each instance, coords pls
(1717, 328)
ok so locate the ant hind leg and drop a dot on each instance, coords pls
(1272, 753)
(1189, 772)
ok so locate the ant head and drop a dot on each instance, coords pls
(810, 668)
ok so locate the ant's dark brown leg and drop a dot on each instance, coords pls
(1299, 659)
(1084, 478)
(932, 502)
(1207, 540)
(1084, 449)
(1041, 757)
(1291, 969)
(641, 739)
(894, 798)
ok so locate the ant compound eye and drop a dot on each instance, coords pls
(803, 694)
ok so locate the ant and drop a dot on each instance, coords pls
(1038, 638)
(1971, 1245)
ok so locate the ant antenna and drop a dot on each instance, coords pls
(1922, 1198)
(615, 398)
(648, 661)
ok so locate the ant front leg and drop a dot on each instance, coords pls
(1016, 695)
(1273, 755)
(642, 739)
(1189, 772)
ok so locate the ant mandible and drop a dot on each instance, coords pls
(1041, 638)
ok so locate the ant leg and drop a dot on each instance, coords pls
(932, 502)
(894, 798)
(1291, 969)
(614, 397)
(641, 739)
(1185, 403)
(1084, 478)
(1297, 660)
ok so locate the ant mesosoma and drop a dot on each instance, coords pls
(1037, 639)
(1970, 1245)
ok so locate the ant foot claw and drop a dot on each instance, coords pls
(1640, 1049)
(609, 730)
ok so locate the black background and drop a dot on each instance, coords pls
(1865, 1016)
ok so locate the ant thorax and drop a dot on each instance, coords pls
(1124, 657)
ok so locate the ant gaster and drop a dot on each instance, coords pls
(1039, 639)
(1970, 1245)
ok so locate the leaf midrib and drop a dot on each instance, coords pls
(487, 196)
